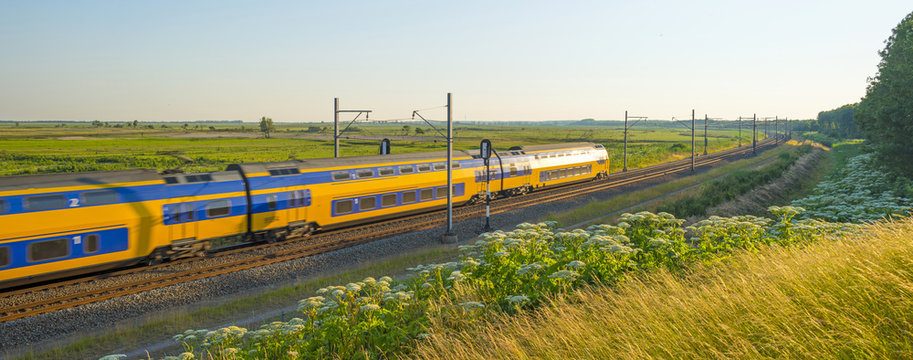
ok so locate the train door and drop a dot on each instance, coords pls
(299, 200)
(183, 221)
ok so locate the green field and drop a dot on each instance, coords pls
(34, 148)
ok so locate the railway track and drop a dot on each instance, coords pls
(265, 254)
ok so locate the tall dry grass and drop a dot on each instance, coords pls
(851, 298)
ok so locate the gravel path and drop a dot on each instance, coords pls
(51, 329)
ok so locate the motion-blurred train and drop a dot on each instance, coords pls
(60, 225)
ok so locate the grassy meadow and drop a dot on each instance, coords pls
(34, 148)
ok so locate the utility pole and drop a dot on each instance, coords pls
(449, 236)
(336, 131)
(692, 140)
(625, 156)
(705, 133)
(740, 131)
(754, 134)
(776, 130)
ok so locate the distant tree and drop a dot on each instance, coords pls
(17, 124)
(266, 126)
(135, 123)
(164, 126)
(212, 128)
(96, 123)
(406, 129)
(839, 122)
(885, 114)
(419, 131)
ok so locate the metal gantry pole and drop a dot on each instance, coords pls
(740, 131)
(705, 133)
(776, 129)
(625, 156)
(754, 134)
(692, 140)
(450, 236)
(335, 127)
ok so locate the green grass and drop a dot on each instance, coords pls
(43, 148)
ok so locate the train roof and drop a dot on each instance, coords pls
(251, 168)
(43, 181)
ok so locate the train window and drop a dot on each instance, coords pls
(91, 244)
(424, 167)
(4, 206)
(388, 200)
(441, 192)
(4, 256)
(513, 171)
(454, 165)
(45, 202)
(440, 166)
(341, 175)
(48, 249)
(408, 169)
(191, 178)
(99, 197)
(343, 207)
(562, 173)
(188, 211)
(218, 208)
(171, 180)
(176, 213)
(553, 174)
(385, 171)
(300, 197)
(408, 197)
(367, 203)
(363, 173)
(292, 199)
(280, 172)
(425, 194)
(271, 201)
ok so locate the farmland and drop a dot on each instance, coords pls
(35, 148)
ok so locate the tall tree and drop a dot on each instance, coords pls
(885, 114)
(266, 126)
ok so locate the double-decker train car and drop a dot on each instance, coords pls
(65, 224)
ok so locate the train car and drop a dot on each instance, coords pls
(197, 208)
(61, 225)
(337, 192)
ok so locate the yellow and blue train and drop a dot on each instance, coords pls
(60, 225)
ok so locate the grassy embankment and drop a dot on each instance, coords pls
(851, 298)
(161, 326)
(649, 199)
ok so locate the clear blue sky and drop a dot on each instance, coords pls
(502, 60)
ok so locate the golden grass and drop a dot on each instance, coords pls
(833, 299)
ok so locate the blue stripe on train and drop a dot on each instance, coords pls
(109, 241)
(458, 191)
